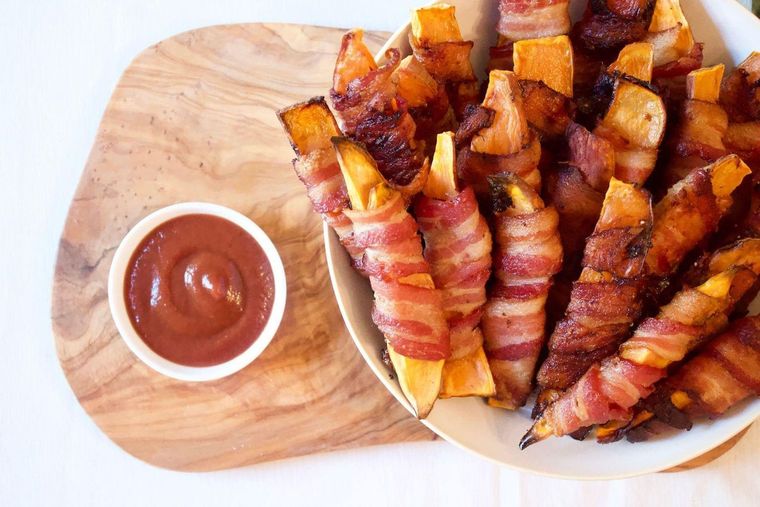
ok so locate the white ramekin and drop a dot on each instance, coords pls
(118, 305)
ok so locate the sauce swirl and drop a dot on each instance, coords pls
(199, 290)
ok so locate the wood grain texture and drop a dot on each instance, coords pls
(192, 118)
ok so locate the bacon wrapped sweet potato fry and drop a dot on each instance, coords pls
(408, 309)
(370, 109)
(606, 299)
(544, 68)
(495, 138)
(740, 96)
(458, 249)
(744, 253)
(697, 138)
(528, 253)
(675, 51)
(635, 126)
(608, 390)
(437, 43)
(527, 19)
(724, 373)
(688, 214)
(310, 125)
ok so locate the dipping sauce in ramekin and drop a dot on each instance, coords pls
(197, 291)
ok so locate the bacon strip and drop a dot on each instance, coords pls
(724, 373)
(410, 317)
(697, 140)
(605, 301)
(690, 212)
(532, 19)
(458, 249)
(740, 93)
(495, 138)
(607, 26)
(317, 167)
(609, 389)
(371, 112)
(447, 56)
(528, 253)
(547, 111)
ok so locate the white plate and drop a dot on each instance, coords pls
(730, 33)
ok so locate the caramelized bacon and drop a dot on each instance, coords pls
(608, 390)
(740, 94)
(528, 253)
(437, 43)
(371, 111)
(690, 212)
(577, 191)
(310, 125)
(495, 137)
(605, 301)
(601, 32)
(547, 111)
(701, 125)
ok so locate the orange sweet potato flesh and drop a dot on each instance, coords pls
(508, 133)
(549, 60)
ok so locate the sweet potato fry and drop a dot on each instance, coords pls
(457, 272)
(437, 42)
(635, 125)
(420, 379)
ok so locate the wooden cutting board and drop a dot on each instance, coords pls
(192, 118)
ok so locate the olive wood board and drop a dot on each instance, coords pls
(193, 119)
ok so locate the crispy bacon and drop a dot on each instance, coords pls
(546, 110)
(690, 212)
(458, 249)
(445, 55)
(501, 57)
(697, 139)
(528, 253)
(606, 30)
(473, 168)
(370, 110)
(317, 167)
(410, 317)
(607, 391)
(605, 301)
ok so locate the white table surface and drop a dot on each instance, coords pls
(60, 62)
